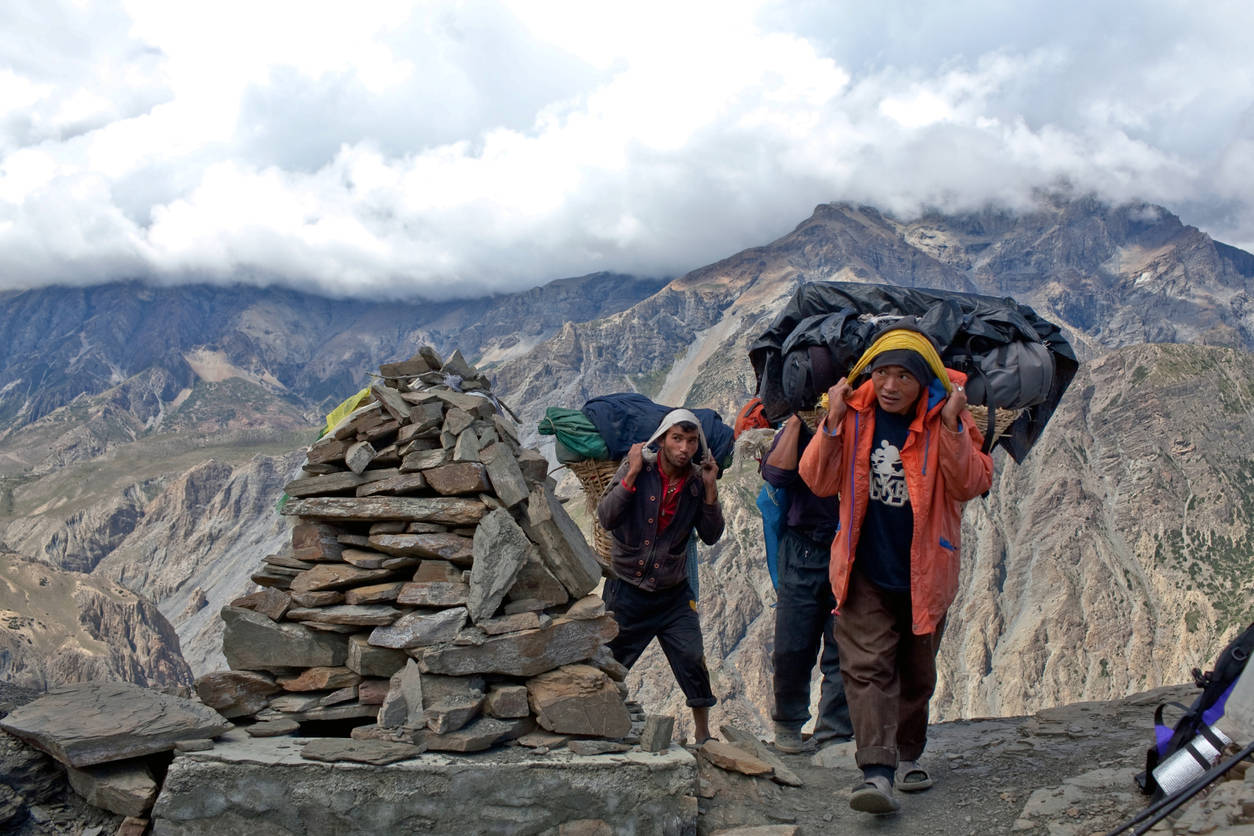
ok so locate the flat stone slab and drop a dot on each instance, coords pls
(500, 551)
(404, 483)
(657, 733)
(272, 603)
(250, 641)
(98, 722)
(126, 788)
(479, 736)
(329, 483)
(597, 747)
(562, 545)
(734, 759)
(201, 745)
(443, 545)
(368, 660)
(443, 509)
(433, 594)
(356, 615)
(273, 728)
(266, 786)
(419, 629)
(321, 679)
(748, 743)
(337, 749)
(578, 699)
(236, 693)
(333, 576)
(542, 739)
(526, 653)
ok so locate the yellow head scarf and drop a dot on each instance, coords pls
(899, 338)
(907, 339)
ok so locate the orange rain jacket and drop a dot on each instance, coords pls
(943, 470)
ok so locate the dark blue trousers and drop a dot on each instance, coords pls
(803, 622)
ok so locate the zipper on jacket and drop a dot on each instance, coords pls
(853, 499)
(927, 446)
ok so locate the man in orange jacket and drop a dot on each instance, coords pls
(903, 453)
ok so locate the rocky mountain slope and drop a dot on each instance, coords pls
(60, 627)
(1119, 555)
(1113, 559)
(59, 343)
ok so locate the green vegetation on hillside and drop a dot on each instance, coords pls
(648, 383)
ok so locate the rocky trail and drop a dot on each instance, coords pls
(1066, 771)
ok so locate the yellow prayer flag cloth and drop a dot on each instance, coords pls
(348, 405)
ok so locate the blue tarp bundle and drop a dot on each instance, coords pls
(628, 418)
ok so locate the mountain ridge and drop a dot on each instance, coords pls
(59, 342)
(686, 344)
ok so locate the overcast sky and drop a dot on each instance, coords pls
(452, 148)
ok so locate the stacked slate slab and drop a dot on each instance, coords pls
(435, 593)
(114, 739)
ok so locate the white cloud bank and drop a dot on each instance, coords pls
(446, 148)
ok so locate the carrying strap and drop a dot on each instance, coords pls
(1211, 738)
(990, 429)
(964, 361)
(1158, 712)
(1170, 738)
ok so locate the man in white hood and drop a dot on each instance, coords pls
(664, 489)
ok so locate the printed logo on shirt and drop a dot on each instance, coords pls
(888, 478)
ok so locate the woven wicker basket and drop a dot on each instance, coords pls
(595, 477)
(1005, 417)
(812, 417)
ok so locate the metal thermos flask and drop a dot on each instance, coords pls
(1189, 761)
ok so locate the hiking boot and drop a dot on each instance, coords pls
(875, 796)
(788, 740)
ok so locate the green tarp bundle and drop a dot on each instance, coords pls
(576, 437)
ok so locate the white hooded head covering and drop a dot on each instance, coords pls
(678, 416)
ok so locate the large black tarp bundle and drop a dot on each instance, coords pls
(1014, 359)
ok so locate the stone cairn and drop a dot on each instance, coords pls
(435, 593)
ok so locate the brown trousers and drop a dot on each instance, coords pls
(889, 672)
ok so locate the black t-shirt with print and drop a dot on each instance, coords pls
(888, 528)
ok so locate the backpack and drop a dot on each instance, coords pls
(752, 416)
(1205, 711)
(773, 502)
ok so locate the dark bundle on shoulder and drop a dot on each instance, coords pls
(625, 418)
(1016, 361)
(607, 425)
